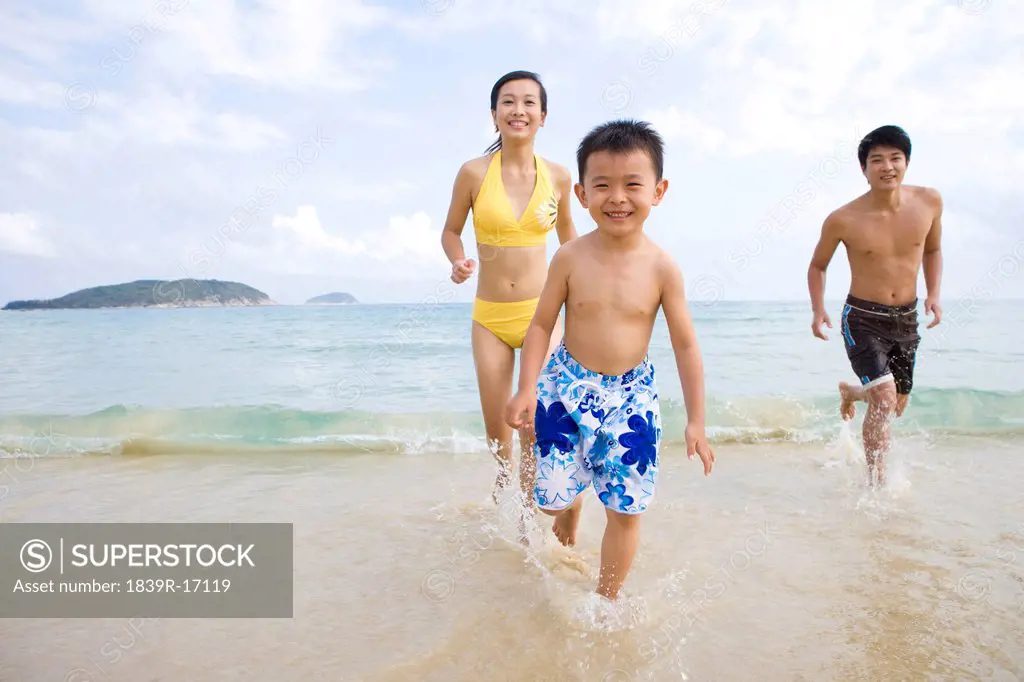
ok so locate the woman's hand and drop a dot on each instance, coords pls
(463, 269)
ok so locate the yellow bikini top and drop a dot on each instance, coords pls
(493, 217)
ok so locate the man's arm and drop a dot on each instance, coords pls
(564, 226)
(931, 262)
(684, 339)
(538, 335)
(828, 242)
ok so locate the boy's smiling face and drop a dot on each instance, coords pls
(619, 190)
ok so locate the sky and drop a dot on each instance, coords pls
(307, 146)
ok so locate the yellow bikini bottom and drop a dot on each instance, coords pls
(508, 321)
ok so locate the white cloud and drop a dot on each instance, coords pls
(20, 234)
(409, 246)
(305, 231)
(25, 91)
(289, 45)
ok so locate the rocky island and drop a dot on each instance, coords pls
(153, 293)
(333, 298)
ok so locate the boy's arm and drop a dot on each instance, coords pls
(538, 335)
(684, 340)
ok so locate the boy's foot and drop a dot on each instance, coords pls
(848, 395)
(567, 522)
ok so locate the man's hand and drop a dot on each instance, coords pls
(462, 269)
(697, 442)
(819, 319)
(521, 409)
(932, 306)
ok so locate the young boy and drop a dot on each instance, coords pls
(595, 406)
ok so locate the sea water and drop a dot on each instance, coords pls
(360, 425)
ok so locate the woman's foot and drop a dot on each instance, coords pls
(503, 480)
(567, 522)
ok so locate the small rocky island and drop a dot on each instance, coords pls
(333, 298)
(153, 293)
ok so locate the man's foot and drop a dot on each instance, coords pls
(849, 395)
(567, 522)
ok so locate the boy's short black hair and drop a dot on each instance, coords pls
(622, 136)
(886, 136)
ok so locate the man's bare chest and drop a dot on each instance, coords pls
(889, 236)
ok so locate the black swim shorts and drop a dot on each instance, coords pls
(881, 342)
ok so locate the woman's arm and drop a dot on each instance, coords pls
(564, 225)
(458, 211)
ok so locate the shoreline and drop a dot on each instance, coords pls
(162, 306)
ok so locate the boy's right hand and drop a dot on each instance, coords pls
(462, 269)
(521, 409)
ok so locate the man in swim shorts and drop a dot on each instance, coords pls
(594, 403)
(890, 233)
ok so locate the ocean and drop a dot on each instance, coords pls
(361, 425)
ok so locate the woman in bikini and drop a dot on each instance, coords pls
(517, 199)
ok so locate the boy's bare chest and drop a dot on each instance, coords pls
(627, 293)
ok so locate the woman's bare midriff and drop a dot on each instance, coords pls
(508, 274)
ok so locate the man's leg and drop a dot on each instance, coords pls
(901, 403)
(903, 360)
(881, 400)
(848, 395)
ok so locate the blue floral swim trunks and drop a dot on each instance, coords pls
(596, 429)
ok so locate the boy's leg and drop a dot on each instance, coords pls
(562, 470)
(626, 467)
(621, 539)
(528, 438)
(567, 520)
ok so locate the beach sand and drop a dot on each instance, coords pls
(779, 566)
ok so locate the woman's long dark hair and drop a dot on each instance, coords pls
(515, 76)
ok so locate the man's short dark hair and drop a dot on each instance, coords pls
(622, 137)
(886, 136)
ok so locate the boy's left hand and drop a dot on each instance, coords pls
(697, 442)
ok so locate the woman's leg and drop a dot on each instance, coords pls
(495, 365)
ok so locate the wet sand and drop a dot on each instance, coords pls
(779, 566)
